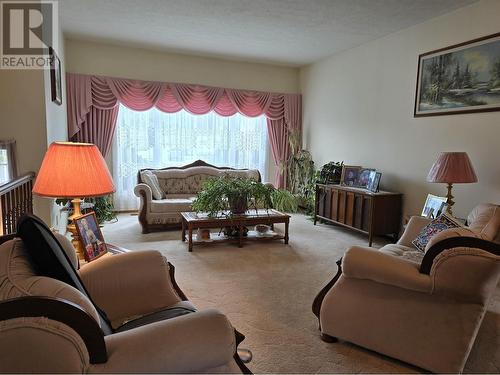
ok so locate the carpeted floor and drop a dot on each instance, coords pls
(266, 289)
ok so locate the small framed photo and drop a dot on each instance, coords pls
(90, 236)
(434, 206)
(364, 177)
(374, 181)
(55, 77)
(350, 174)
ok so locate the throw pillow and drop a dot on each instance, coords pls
(151, 180)
(441, 223)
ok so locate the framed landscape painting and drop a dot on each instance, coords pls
(463, 78)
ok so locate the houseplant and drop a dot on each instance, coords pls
(234, 195)
(103, 207)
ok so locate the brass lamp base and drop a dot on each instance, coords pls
(74, 232)
(449, 199)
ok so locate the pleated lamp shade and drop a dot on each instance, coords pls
(452, 167)
(73, 170)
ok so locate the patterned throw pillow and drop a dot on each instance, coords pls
(151, 180)
(441, 223)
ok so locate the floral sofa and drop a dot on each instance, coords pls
(165, 193)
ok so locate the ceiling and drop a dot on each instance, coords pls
(289, 32)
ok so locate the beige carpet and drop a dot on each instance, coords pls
(266, 290)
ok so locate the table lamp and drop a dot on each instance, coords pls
(451, 168)
(74, 171)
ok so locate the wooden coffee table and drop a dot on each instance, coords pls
(193, 221)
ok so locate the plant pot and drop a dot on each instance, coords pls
(238, 205)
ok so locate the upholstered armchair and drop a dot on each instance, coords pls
(50, 322)
(421, 308)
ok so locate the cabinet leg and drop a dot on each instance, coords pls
(286, 232)
(190, 238)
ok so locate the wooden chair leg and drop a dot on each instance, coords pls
(328, 338)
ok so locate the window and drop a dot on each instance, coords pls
(4, 167)
(154, 139)
(7, 161)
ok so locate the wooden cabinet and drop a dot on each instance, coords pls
(359, 209)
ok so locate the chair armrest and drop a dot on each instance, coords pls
(143, 191)
(130, 284)
(413, 228)
(186, 344)
(64, 314)
(369, 264)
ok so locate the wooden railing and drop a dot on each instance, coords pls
(15, 200)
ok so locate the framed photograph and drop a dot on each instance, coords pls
(434, 206)
(462, 78)
(374, 181)
(350, 175)
(364, 177)
(55, 77)
(90, 236)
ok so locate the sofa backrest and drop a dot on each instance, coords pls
(18, 278)
(189, 179)
(485, 219)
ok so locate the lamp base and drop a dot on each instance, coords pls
(75, 241)
(449, 199)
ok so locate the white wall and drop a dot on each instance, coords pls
(34, 121)
(57, 130)
(120, 61)
(358, 107)
(127, 62)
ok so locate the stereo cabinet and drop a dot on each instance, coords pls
(359, 209)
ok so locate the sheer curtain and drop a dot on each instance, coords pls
(154, 139)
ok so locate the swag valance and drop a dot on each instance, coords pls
(92, 103)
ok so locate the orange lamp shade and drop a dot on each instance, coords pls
(73, 170)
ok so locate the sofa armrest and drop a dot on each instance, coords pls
(130, 284)
(143, 191)
(186, 344)
(413, 228)
(368, 264)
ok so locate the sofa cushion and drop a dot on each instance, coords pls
(150, 179)
(441, 223)
(190, 180)
(403, 252)
(184, 185)
(171, 205)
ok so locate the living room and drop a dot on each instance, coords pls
(345, 77)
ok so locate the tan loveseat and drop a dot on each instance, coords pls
(421, 308)
(179, 187)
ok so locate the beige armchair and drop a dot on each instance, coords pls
(425, 310)
(146, 325)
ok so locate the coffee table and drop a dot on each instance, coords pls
(193, 220)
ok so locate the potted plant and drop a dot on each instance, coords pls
(234, 195)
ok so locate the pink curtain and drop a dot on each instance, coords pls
(99, 128)
(92, 103)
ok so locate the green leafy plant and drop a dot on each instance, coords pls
(331, 173)
(103, 207)
(284, 201)
(233, 195)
